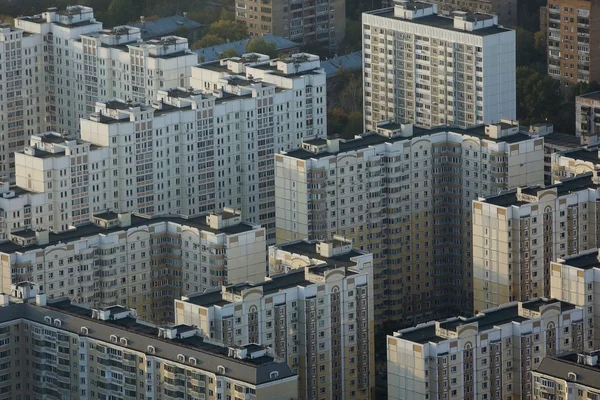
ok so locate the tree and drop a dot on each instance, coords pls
(229, 30)
(353, 39)
(228, 53)
(182, 31)
(526, 51)
(539, 42)
(122, 11)
(538, 96)
(260, 45)
(208, 40)
(351, 97)
(336, 121)
(354, 125)
(316, 49)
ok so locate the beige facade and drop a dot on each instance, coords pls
(587, 118)
(404, 194)
(58, 350)
(318, 315)
(303, 21)
(488, 356)
(570, 163)
(573, 376)
(517, 235)
(576, 279)
(136, 262)
(430, 70)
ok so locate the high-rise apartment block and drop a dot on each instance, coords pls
(189, 152)
(22, 94)
(506, 10)
(404, 194)
(519, 233)
(431, 70)
(303, 21)
(587, 118)
(488, 356)
(576, 279)
(136, 262)
(572, 376)
(318, 316)
(58, 64)
(572, 35)
(85, 63)
(57, 350)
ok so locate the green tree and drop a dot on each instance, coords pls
(229, 30)
(208, 40)
(526, 51)
(539, 42)
(260, 45)
(354, 126)
(228, 53)
(538, 96)
(122, 11)
(337, 120)
(353, 39)
(182, 31)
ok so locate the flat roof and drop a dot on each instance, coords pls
(372, 138)
(592, 95)
(136, 221)
(562, 139)
(567, 186)
(310, 250)
(423, 335)
(559, 367)
(438, 21)
(584, 261)
(583, 154)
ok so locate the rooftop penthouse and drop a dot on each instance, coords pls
(508, 314)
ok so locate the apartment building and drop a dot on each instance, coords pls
(571, 376)
(587, 118)
(303, 21)
(134, 261)
(58, 350)
(519, 233)
(576, 279)
(489, 356)
(318, 316)
(555, 142)
(83, 63)
(506, 10)
(22, 96)
(570, 163)
(189, 152)
(423, 68)
(572, 32)
(404, 194)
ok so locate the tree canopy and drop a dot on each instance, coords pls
(260, 45)
(207, 41)
(538, 96)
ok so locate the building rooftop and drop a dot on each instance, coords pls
(141, 335)
(562, 140)
(592, 95)
(349, 62)
(485, 320)
(372, 138)
(214, 52)
(441, 22)
(136, 221)
(567, 186)
(560, 367)
(589, 154)
(584, 261)
(310, 250)
(166, 26)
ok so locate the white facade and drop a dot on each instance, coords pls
(318, 316)
(84, 64)
(404, 194)
(430, 70)
(22, 95)
(188, 153)
(136, 262)
(488, 356)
